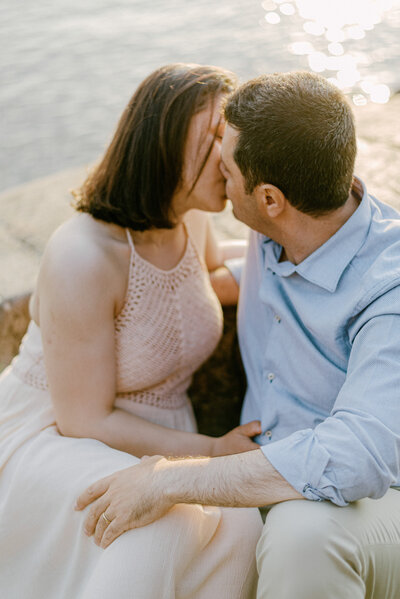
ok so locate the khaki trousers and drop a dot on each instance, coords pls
(316, 550)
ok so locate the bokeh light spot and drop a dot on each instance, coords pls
(367, 86)
(317, 62)
(380, 93)
(272, 18)
(339, 25)
(313, 28)
(336, 49)
(269, 5)
(348, 77)
(359, 100)
(287, 9)
(355, 32)
(301, 48)
(335, 35)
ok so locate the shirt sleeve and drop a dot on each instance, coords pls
(355, 452)
(235, 266)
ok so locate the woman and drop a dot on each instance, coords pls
(122, 315)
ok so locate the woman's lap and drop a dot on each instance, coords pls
(45, 550)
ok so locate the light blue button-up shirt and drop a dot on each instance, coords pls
(320, 342)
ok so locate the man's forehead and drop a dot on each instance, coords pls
(231, 133)
(229, 139)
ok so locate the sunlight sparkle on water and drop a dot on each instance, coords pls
(335, 35)
(355, 32)
(301, 48)
(317, 62)
(287, 8)
(269, 5)
(313, 28)
(336, 49)
(359, 100)
(348, 77)
(272, 18)
(340, 13)
(380, 93)
(367, 86)
(337, 25)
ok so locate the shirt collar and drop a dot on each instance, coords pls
(325, 266)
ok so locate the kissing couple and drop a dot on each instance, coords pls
(94, 409)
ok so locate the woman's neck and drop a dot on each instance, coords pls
(159, 237)
(164, 248)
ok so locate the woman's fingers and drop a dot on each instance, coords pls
(251, 429)
(93, 492)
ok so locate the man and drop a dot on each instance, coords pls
(319, 331)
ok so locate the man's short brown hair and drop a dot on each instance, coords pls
(296, 131)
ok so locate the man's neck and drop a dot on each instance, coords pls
(305, 234)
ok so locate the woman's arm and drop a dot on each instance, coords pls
(77, 306)
(216, 253)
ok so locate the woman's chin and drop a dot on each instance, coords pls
(220, 206)
(211, 204)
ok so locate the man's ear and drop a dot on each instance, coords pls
(271, 201)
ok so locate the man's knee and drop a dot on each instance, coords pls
(305, 537)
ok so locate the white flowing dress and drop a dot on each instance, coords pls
(170, 323)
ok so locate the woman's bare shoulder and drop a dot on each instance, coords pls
(79, 246)
(85, 258)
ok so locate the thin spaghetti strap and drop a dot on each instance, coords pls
(130, 240)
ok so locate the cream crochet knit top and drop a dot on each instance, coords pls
(170, 323)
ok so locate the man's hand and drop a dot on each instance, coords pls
(140, 494)
(129, 498)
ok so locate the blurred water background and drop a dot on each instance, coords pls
(67, 67)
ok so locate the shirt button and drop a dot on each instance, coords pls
(271, 377)
(277, 318)
(268, 434)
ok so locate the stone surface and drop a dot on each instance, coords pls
(14, 319)
(28, 215)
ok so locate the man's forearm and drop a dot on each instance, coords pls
(242, 480)
(138, 495)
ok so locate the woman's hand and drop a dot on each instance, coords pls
(129, 498)
(237, 440)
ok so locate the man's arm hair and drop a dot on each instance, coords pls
(141, 494)
(242, 480)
